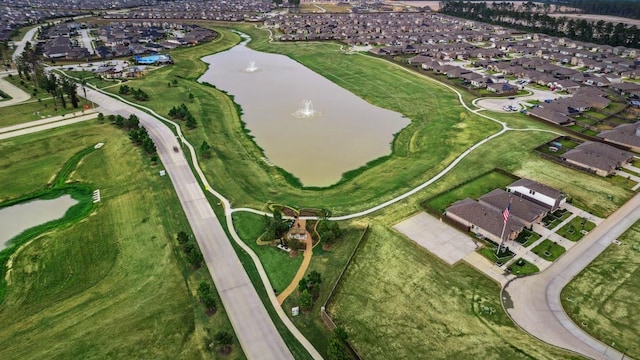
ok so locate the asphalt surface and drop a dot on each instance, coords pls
(19, 45)
(86, 41)
(533, 302)
(17, 94)
(256, 332)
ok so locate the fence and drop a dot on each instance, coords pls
(323, 310)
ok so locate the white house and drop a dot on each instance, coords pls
(538, 193)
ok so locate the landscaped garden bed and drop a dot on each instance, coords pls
(576, 229)
(489, 251)
(522, 267)
(548, 250)
(527, 237)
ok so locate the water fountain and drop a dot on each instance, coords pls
(306, 111)
(252, 67)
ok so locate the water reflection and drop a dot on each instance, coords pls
(18, 218)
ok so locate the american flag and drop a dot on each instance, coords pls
(505, 213)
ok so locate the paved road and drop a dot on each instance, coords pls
(13, 131)
(17, 94)
(22, 43)
(534, 302)
(256, 332)
(86, 40)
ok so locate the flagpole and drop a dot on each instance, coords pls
(504, 226)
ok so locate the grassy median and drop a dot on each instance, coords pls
(112, 284)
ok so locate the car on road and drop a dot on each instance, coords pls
(510, 108)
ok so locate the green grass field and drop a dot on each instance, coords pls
(472, 189)
(522, 267)
(548, 250)
(396, 302)
(602, 299)
(279, 266)
(112, 284)
(33, 110)
(572, 230)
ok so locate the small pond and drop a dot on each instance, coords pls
(305, 124)
(20, 217)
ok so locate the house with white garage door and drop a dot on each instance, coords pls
(538, 193)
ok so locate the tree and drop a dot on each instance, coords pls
(191, 97)
(205, 150)
(314, 278)
(191, 121)
(306, 300)
(194, 256)
(206, 296)
(336, 350)
(302, 285)
(340, 333)
(182, 237)
(133, 122)
(119, 121)
(124, 90)
(100, 118)
(223, 340)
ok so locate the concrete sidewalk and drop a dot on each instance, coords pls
(49, 120)
(46, 126)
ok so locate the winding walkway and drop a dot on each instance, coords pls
(566, 327)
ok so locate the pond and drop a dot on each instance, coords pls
(306, 124)
(20, 217)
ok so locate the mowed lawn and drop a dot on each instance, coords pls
(603, 298)
(30, 162)
(109, 286)
(34, 110)
(396, 302)
(280, 267)
(236, 166)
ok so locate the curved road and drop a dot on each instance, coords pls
(254, 328)
(538, 312)
(533, 302)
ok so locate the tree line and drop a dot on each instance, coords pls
(622, 8)
(61, 88)
(506, 14)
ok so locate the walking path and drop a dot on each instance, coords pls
(229, 211)
(308, 253)
(17, 94)
(46, 126)
(52, 119)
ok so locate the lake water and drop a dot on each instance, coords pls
(343, 133)
(18, 218)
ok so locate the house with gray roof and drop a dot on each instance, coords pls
(483, 220)
(625, 134)
(538, 193)
(599, 158)
(526, 211)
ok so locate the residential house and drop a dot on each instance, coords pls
(483, 220)
(625, 134)
(599, 158)
(526, 211)
(538, 193)
(503, 89)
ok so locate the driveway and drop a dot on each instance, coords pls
(533, 302)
